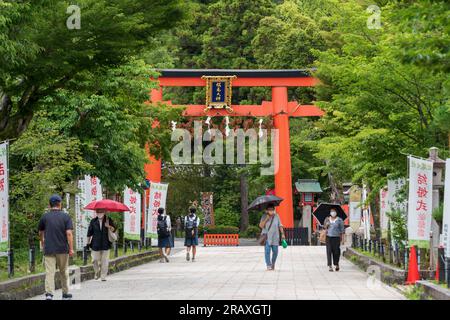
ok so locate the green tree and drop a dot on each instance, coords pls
(39, 55)
(42, 162)
(380, 104)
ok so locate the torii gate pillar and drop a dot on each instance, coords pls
(283, 177)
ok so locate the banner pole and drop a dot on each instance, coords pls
(7, 194)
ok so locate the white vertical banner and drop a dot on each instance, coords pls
(383, 212)
(93, 192)
(446, 218)
(90, 190)
(355, 211)
(354, 207)
(420, 202)
(366, 214)
(132, 219)
(158, 196)
(4, 199)
(394, 187)
(81, 217)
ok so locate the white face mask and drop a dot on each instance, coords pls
(100, 215)
(333, 213)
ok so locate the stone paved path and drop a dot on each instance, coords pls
(238, 273)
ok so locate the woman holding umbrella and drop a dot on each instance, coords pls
(334, 227)
(99, 242)
(98, 234)
(271, 226)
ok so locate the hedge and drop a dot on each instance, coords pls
(218, 229)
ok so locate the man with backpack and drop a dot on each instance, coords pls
(191, 223)
(164, 228)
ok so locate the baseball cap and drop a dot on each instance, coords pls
(55, 199)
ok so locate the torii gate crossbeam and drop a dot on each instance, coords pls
(280, 108)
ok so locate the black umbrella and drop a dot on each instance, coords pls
(263, 202)
(323, 211)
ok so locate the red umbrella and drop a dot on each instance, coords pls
(108, 205)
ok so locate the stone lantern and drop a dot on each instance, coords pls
(307, 188)
(438, 168)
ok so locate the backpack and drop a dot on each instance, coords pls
(162, 228)
(190, 226)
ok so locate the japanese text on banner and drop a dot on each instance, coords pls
(4, 200)
(158, 195)
(132, 219)
(446, 218)
(420, 201)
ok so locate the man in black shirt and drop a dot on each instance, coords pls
(55, 232)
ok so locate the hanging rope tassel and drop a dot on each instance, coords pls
(260, 132)
(174, 125)
(208, 122)
(227, 128)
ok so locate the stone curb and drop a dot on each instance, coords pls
(33, 285)
(433, 291)
(389, 275)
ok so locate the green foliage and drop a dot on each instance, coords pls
(378, 108)
(185, 185)
(42, 162)
(398, 226)
(438, 213)
(251, 232)
(75, 98)
(225, 216)
(414, 293)
(40, 55)
(221, 229)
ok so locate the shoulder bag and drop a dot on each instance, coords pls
(112, 236)
(263, 237)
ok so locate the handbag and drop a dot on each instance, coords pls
(323, 236)
(323, 233)
(263, 237)
(112, 236)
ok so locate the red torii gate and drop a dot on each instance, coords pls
(280, 108)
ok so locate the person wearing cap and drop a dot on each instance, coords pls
(271, 226)
(56, 238)
(98, 241)
(191, 223)
(164, 229)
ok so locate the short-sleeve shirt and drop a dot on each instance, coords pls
(55, 223)
(335, 228)
(273, 234)
(195, 218)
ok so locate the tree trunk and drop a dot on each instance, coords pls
(12, 126)
(244, 202)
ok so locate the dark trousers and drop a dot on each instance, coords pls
(333, 250)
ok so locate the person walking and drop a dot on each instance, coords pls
(271, 226)
(56, 239)
(178, 226)
(164, 229)
(191, 223)
(334, 227)
(98, 241)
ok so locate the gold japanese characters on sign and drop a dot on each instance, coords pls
(218, 92)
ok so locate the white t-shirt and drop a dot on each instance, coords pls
(169, 224)
(194, 218)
